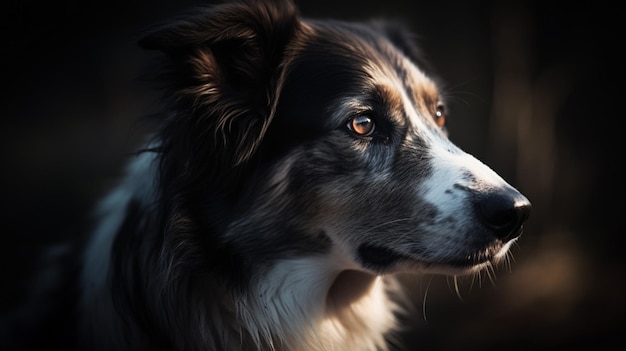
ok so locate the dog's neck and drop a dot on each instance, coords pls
(314, 303)
(348, 288)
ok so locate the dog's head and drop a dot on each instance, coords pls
(295, 137)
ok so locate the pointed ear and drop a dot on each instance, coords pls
(222, 71)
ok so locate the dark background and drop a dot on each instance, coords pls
(537, 94)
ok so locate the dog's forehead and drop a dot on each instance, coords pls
(403, 82)
(343, 64)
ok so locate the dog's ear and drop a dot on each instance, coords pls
(223, 70)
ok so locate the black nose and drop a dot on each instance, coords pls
(503, 211)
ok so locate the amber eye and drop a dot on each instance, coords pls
(440, 116)
(362, 125)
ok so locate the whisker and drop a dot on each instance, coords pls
(456, 287)
(509, 261)
(383, 224)
(424, 299)
(452, 93)
(475, 276)
(491, 274)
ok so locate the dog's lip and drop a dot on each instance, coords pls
(462, 264)
(470, 263)
(384, 259)
(467, 263)
(379, 258)
(452, 269)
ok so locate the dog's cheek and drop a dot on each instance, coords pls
(320, 165)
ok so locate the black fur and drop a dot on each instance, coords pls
(253, 167)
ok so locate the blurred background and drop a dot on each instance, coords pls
(535, 92)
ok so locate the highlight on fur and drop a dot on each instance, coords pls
(298, 165)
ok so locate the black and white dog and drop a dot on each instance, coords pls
(298, 165)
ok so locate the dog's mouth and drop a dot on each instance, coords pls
(376, 257)
(384, 260)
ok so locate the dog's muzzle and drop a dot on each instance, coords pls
(503, 212)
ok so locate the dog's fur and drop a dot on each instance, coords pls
(299, 164)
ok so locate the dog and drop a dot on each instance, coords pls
(298, 166)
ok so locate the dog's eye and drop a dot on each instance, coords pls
(440, 116)
(362, 125)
